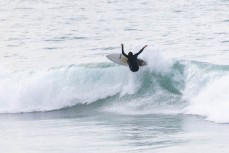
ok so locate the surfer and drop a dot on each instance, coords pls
(133, 60)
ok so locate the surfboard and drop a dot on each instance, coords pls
(122, 60)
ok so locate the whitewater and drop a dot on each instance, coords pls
(59, 92)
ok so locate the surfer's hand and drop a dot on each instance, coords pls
(145, 46)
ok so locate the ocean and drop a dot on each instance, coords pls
(60, 94)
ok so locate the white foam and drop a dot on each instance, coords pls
(212, 101)
(141, 106)
(55, 89)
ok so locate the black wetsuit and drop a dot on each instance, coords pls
(132, 60)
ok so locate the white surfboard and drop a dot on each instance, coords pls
(122, 60)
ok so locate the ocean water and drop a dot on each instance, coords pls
(59, 93)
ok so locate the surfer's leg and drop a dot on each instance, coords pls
(140, 62)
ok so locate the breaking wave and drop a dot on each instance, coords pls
(165, 86)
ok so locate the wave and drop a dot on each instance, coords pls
(165, 86)
(207, 91)
(57, 88)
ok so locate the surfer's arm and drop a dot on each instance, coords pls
(141, 50)
(123, 51)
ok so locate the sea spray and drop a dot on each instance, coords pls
(158, 85)
(133, 83)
